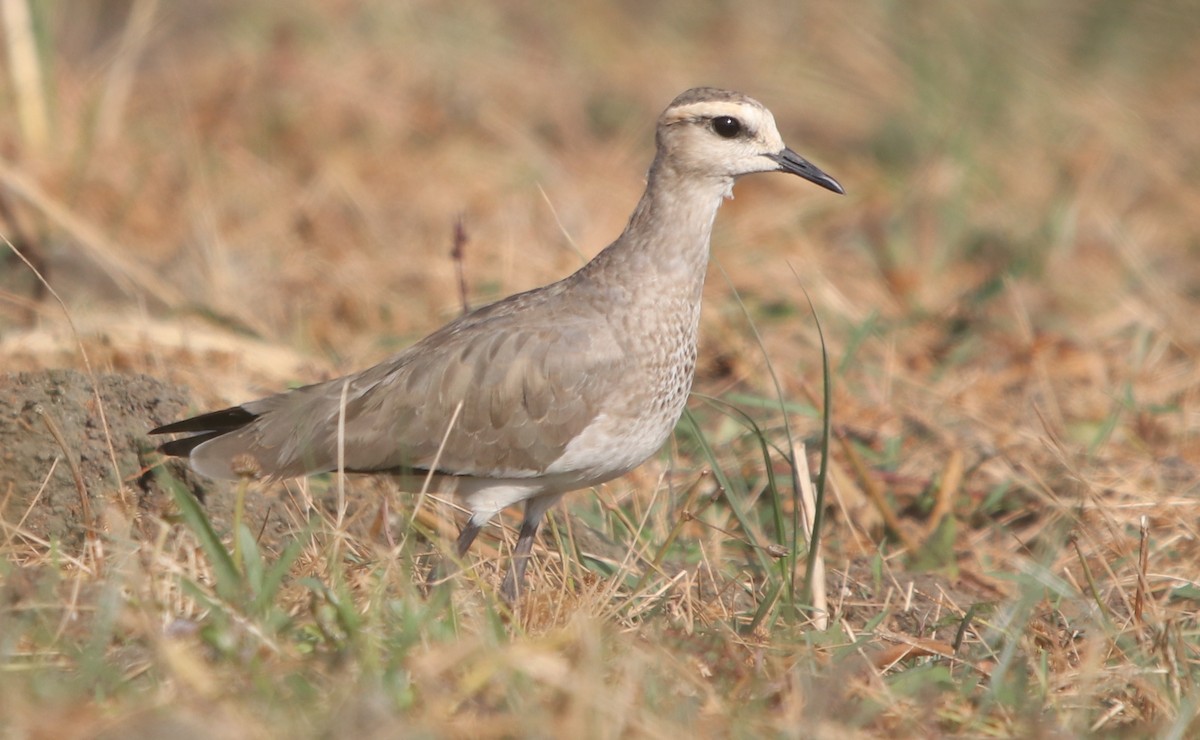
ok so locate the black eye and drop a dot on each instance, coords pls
(726, 127)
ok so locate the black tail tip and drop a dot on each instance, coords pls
(225, 420)
(202, 428)
(183, 447)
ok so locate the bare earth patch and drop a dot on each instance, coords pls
(51, 429)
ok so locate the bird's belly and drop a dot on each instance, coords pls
(629, 431)
(610, 447)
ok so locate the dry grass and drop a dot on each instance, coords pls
(236, 198)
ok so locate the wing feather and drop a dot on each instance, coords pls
(529, 381)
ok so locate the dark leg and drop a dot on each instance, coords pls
(443, 567)
(514, 580)
(466, 536)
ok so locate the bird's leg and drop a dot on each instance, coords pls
(514, 580)
(446, 568)
(535, 509)
(466, 536)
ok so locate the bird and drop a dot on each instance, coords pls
(552, 390)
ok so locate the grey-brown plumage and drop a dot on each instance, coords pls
(551, 390)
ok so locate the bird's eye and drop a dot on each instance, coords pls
(726, 127)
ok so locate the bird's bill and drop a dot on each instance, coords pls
(789, 161)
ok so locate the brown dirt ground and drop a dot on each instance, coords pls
(41, 500)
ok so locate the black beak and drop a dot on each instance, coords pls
(789, 161)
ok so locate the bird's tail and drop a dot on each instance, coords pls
(204, 428)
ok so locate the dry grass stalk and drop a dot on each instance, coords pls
(802, 479)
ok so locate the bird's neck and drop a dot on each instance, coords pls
(665, 246)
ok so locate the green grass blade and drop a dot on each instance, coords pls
(788, 562)
(731, 497)
(791, 543)
(814, 545)
(252, 561)
(228, 581)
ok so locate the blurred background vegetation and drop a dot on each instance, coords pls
(238, 196)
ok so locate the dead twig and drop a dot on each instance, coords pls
(952, 476)
(890, 519)
(458, 254)
(90, 524)
(1139, 596)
